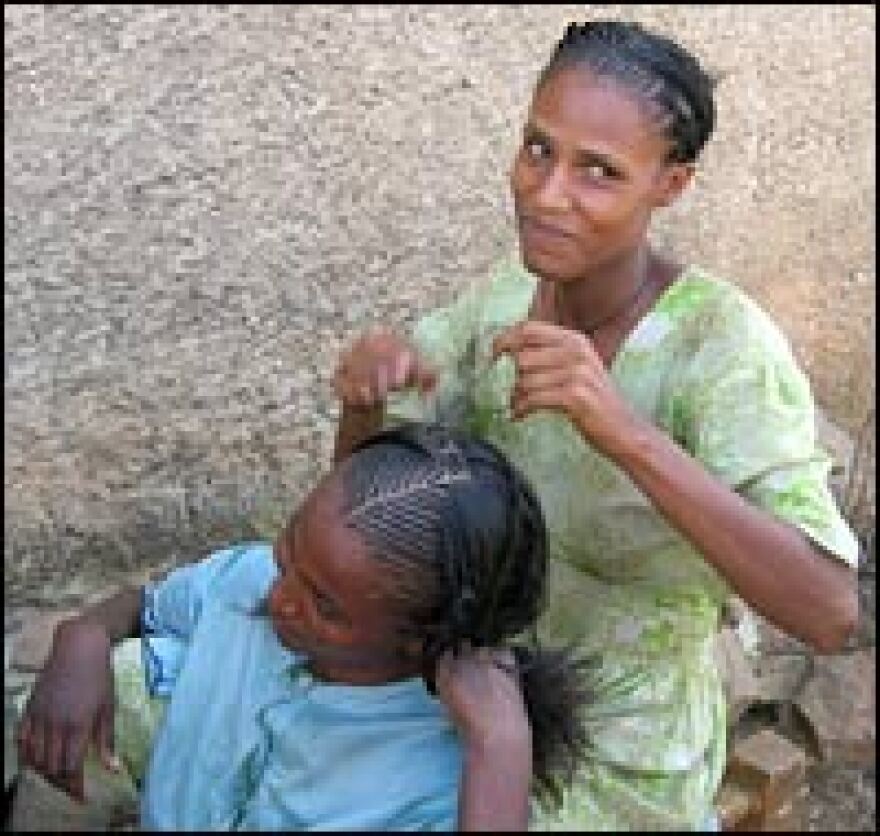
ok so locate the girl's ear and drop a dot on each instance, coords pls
(413, 649)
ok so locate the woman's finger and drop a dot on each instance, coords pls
(379, 384)
(54, 751)
(424, 375)
(24, 739)
(542, 399)
(543, 359)
(400, 369)
(74, 758)
(552, 378)
(38, 746)
(530, 334)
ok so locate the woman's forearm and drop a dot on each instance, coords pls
(354, 426)
(770, 564)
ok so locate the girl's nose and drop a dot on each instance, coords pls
(283, 604)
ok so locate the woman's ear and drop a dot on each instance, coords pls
(673, 180)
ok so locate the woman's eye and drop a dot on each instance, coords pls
(536, 150)
(597, 171)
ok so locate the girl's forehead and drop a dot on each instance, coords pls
(326, 539)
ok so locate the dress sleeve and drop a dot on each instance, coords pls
(443, 337)
(747, 413)
(170, 611)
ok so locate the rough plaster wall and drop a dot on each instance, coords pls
(203, 204)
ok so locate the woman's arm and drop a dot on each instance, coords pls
(375, 365)
(355, 425)
(808, 594)
(769, 563)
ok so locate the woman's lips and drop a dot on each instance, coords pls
(541, 232)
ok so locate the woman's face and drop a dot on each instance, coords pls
(591, 169)
(331, 600)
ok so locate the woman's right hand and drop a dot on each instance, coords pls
(377, 363)
(72, 703)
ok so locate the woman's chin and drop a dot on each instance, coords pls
(545, 265)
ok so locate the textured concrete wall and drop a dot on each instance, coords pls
(202, 204)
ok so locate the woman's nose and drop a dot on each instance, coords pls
(552, 193)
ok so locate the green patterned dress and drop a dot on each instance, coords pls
(710, 369)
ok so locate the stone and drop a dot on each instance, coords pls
(790, 817)
(769, 768)
(740, 685)
(10, 753)
(32, 644)
(839, 704)
(837, 443)
(735, 805)
(111, 803)
(772, 640)
(781, 678)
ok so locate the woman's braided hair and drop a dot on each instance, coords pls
(660, 71)
(462, 535)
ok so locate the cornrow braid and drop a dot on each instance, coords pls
(660, 71)
(463, 535)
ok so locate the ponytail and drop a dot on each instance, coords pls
(553, 686)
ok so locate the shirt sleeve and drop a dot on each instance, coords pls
(749, 416)
(171, 609)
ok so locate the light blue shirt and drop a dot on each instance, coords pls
(250, 741)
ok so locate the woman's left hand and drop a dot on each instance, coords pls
(558, 369)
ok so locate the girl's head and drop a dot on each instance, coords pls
(422, 540)
(618, 119)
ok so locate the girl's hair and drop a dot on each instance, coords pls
(660, 71)
(462, 534)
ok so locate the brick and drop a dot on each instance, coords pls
(781, 678)
(740, 685)
(111, 803)
(736, 805)
(31, 646)
(839, 704)
(769, 766)
(772, 640)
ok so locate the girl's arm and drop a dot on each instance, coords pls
(495, 783)
(487, 708)
(119, 616)
(72, 702)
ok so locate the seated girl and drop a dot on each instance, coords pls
(296, 683)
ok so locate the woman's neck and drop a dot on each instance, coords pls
(604, 297)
